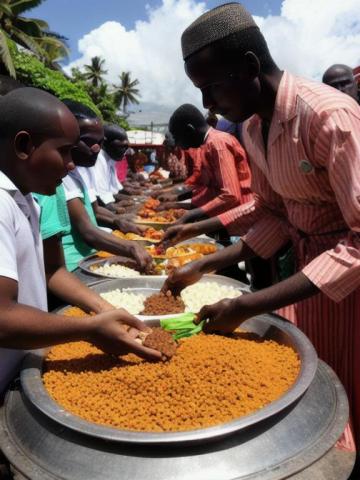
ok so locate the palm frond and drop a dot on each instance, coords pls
(28, 26)
(5, 54)
(20, 6)
(28, 42)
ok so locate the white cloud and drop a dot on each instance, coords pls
(306, 38)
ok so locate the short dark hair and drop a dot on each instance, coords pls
(114, 132)
(79, 110)
(185, 114)
(29, 109)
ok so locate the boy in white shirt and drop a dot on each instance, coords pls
(37, 135)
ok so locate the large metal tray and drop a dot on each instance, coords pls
(266, 326)
(86, 263)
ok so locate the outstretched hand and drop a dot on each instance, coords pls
(177, 233)
(223, 316)
(115, 332)
(182, 278)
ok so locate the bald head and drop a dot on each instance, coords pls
(342, 78)
(33, 111)
(37, 135)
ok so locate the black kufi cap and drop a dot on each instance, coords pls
(214, 25)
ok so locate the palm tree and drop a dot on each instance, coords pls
(126, 93)
(95, 71)
(31, 33)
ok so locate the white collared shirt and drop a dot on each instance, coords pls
(107, 183)
(74, 185)
(88, 176)
(21, 259)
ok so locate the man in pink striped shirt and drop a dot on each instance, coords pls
(303, 144)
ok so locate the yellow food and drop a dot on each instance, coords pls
(210, 380)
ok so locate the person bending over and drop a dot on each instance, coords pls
(303, 143)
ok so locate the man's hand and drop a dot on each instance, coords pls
(182, 278)
(127, 226)
(166, 206)
(227, 315)
(142, 257)
(178, 233)
(224, 316)
(116, 332)
(168, 197)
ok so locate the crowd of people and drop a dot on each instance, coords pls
(275, 164)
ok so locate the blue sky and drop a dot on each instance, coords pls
(304, 37)
(75, 18)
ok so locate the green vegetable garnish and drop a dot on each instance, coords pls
(183, 326)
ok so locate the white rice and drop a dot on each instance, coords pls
(206, 293)
(132, 302)
(194, 297)
(115, 270)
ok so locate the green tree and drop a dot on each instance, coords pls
(95, 71)
(33, 73)
(126, 92)
(31, 33)
(102, 97)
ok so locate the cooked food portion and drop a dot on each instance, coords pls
(114, 270)
(206, 293)
(162, 341)
(190, 248)
(163, 304)
(191, 299)
(133, 302)
(102, 254)
(178, 262)
(210, 380)
(151, 203)
(165, 216)
(148, 212)
(149, 234)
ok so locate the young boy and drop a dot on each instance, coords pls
(37, 133)
(113, 149)
(303, 143)
(84, 236)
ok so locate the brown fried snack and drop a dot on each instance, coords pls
(162, 341)
(163, 304)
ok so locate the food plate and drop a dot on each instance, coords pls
(156, 225)
(266, 326)
(87, 265)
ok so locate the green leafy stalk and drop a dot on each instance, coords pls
(183, 326)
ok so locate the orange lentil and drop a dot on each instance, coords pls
(210, 380)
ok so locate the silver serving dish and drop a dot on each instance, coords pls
(87, 263)
(266, 326)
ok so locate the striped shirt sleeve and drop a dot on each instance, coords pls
(224, 172)
(260, 222)
(337, 271)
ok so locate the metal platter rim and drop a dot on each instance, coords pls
(35, 391)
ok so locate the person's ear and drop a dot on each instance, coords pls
(23, 145)
(253, 65)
